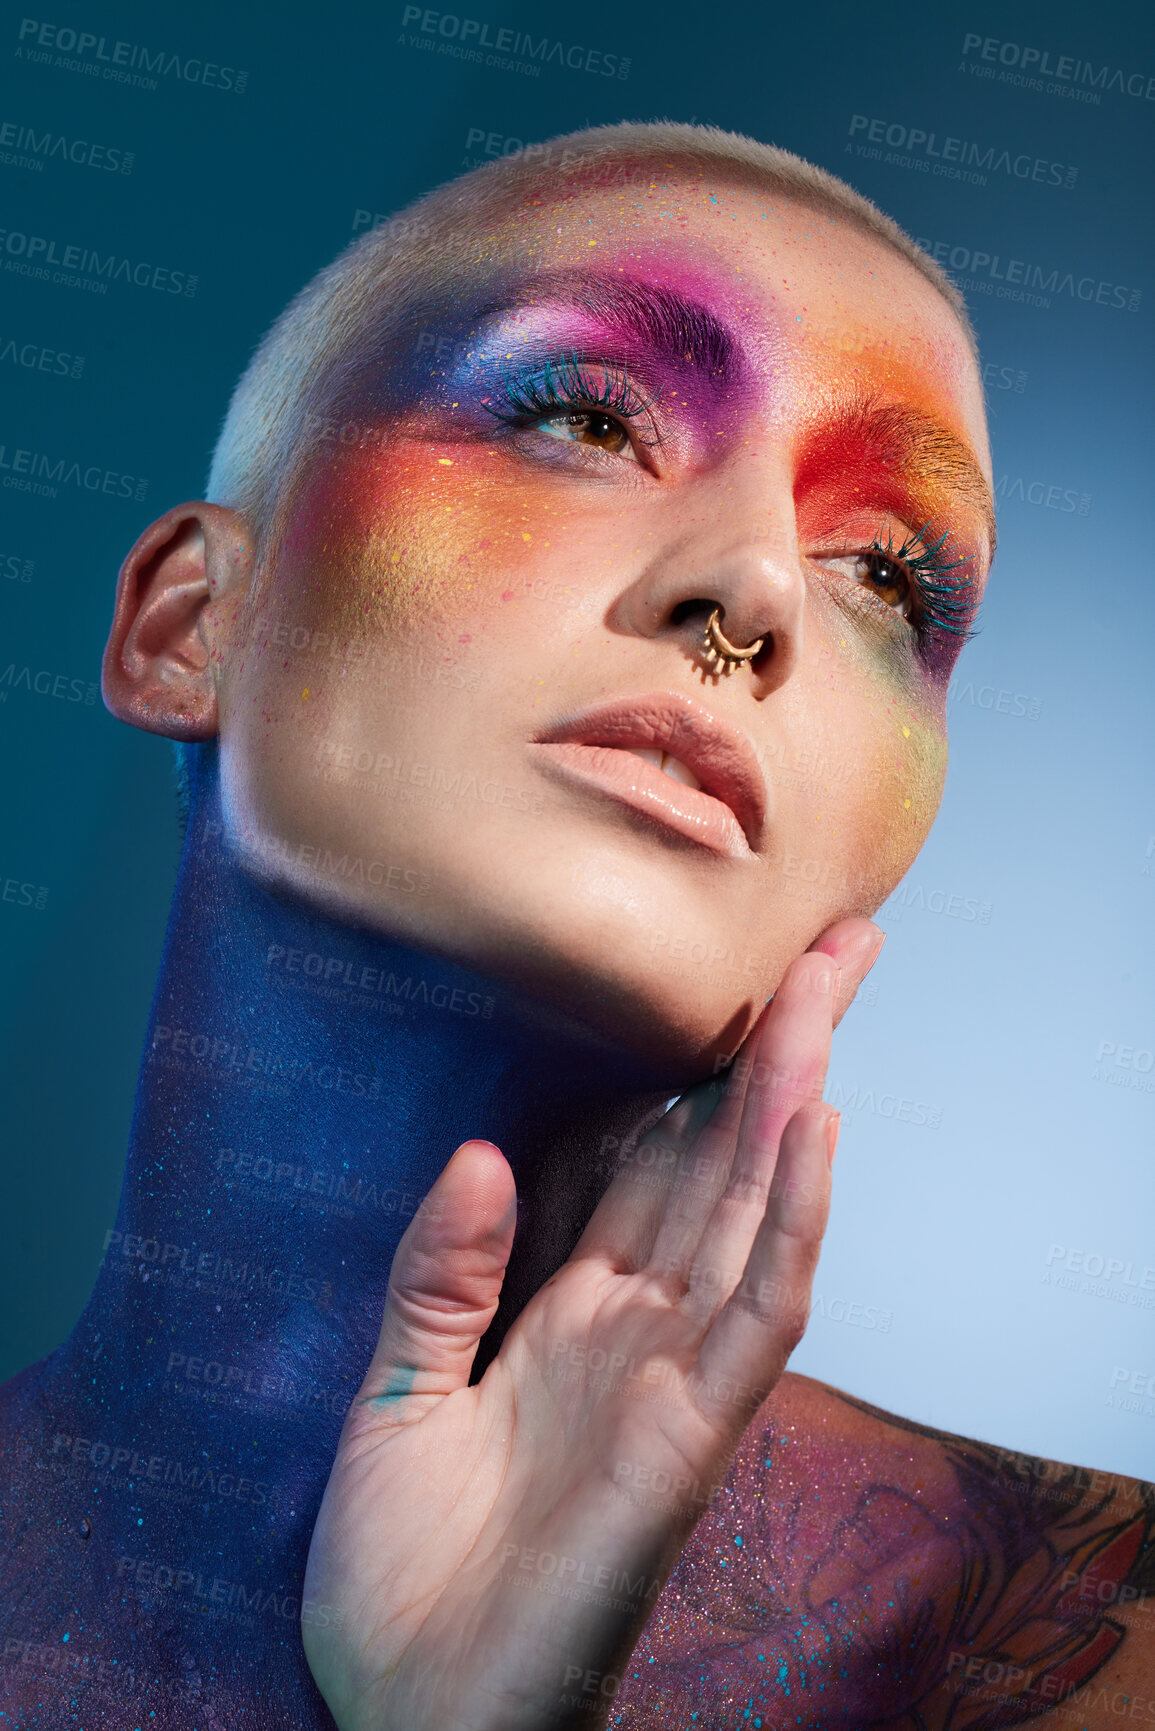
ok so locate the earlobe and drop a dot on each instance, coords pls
(157, 672)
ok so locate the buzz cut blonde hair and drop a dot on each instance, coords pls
(347, 317)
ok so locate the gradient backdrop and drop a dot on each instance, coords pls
(990, 1269)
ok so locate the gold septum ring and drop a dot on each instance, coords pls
(721, 654)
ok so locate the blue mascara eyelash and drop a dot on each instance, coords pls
(945, 604)
(568, 383)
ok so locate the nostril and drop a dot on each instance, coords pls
(687, 609)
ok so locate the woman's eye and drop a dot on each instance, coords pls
(589, 427)
(883, 576)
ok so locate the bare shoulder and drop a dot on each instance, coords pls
(859, 1570)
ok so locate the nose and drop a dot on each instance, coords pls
(734, 558)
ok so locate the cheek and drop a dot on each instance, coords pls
(438, 546)
(886, 714)
(874, 766)
(396, 574)
(909, 753)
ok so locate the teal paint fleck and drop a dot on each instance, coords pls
(400, 1384)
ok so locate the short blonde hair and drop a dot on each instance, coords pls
(348, 314)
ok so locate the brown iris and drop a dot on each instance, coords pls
(887, 579)
(590, 427)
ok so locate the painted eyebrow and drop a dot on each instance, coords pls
(914, 446)
(674, 328)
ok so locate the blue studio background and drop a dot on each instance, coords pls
(991, 1263)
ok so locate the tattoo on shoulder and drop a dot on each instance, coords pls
(1060, 1572)
(958, 1588)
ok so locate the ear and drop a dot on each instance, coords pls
(158, 674)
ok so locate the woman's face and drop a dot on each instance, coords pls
(470, 705)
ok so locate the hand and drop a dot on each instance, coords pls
(485, 1557)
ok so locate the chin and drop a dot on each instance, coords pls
(678, 1023)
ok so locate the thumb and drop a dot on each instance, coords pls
(444, 1284)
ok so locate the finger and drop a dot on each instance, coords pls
(853, 945)
(716, 1205)
(681, 1149)
(747, 1346)
(622, 1226)
(444, 1285)
(626, 1222)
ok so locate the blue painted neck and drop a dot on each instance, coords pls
(303, 1084)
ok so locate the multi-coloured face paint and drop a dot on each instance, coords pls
(919, 472)
(588, 438)
(632, 372)
(651, 358)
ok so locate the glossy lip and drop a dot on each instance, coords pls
(728, 813)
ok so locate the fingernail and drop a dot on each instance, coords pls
(833, 1125)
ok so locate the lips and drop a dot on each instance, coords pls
(648, 752)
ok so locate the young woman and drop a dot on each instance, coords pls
(565, 576)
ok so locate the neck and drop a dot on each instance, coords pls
(303, 1085)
